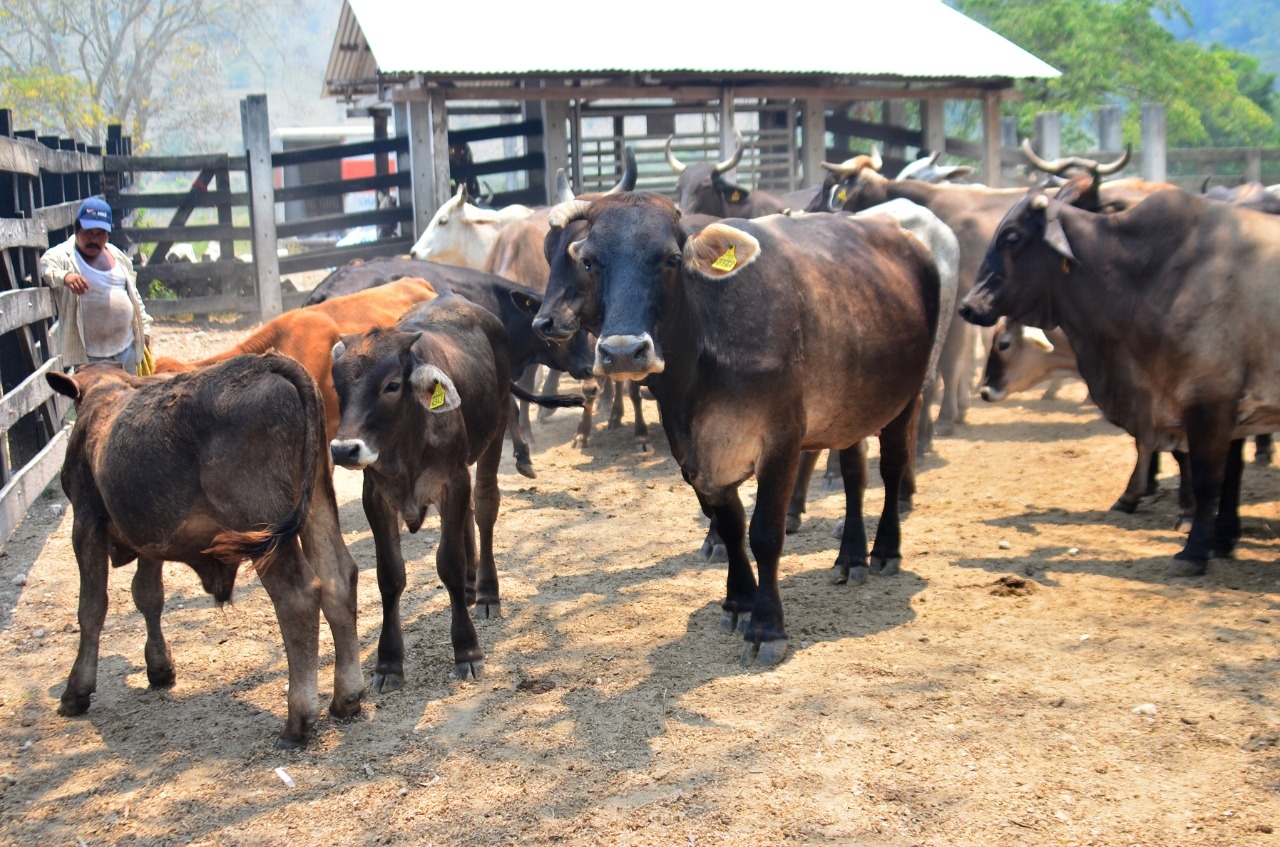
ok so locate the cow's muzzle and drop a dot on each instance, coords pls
(627, 357)
(547, 329)
(352, 453)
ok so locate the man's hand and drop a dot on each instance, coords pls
(77, 283)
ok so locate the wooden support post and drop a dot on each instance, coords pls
(555, 140)
(428, 157)
(813, 140)
(933, 126)
(1253, 165)
(1155, 154)
(1111, 129)
(991, 138)
(728, 125)
(256, 127)
(1049, 135)
(894, 115)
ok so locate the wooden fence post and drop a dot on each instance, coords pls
(555, 118)
(1049, 134)
(813, 138)
(428, 157)
(991, 138)
(256, 127)
(728, 140)
(1155, 154)
(933, 126)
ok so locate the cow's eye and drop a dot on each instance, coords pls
(587, 264)
(674, 260)
(392, 387)
(1003, 344)
(1010, 239)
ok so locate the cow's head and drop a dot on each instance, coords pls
(927, 169)
(1008, 368)
(384, 390)
(1027, 254)
(702, 187)
(617, 266)
(854, 184)
(461, 233)
(571, 354)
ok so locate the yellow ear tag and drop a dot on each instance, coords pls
(842, 195)
(437, 397)
(735, 197)
(727, 262)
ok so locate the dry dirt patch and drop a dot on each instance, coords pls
(1030, 678)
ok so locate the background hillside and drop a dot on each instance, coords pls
(1248, 26)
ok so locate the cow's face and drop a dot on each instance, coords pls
(459, 233)
(383, 390)
(1027, 253)
(569, 303)
(573, 354)
(701, 190)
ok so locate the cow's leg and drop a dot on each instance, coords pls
(851, 561)
(616, 407)
(924, 435)
(637, 407)
(89, 539)
(384, 523)
(591, 394)
(487, 497)
(452, 567)
(729, 523)
(897, 452)
(832, 478)
(337, 572)
(295, 594)
(148, 596)
(1139, 481)
(550, 385)
(519, 443)
(800, 494)
(1209, 440)
(907, 488)
(713, 549)
(766, 635)
(1262, 449)
(954, 366)
(1226, 528)
(527, 381)
(1186, 494)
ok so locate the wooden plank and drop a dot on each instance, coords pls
(343, 186)
(173, 163)
(190, 272)
(217, 304)
(307, 155)
(23, 232)
(19, 156)
(28, 395)
(61, 216)
(339, 256)
(27, 484)
(205, 232)
(532, 126)
(171, 200)
(199, 188)
(24, 306)
(335, 223)
(255, 127)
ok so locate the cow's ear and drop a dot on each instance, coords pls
(434, 389)
(1056, 237)
(63, 384)
(718, 251)
(1038, 338)
(733, 193)
(526, 301)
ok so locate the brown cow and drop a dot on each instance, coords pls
(210, 468)
(307, 335)
(421, 403)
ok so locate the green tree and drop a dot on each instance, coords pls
(1115, 52)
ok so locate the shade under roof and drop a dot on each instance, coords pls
(901, 39)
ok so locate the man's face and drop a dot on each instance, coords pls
(91, 242)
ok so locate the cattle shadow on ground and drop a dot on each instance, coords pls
(1023, 431)
(26, 545)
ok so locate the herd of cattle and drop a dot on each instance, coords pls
(767, 329)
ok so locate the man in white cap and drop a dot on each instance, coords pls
(101, 312)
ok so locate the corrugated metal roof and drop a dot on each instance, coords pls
(899, 39)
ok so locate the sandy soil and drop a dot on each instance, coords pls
(1031, 678)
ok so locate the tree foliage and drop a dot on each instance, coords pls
(134, 62)
(1116, 52)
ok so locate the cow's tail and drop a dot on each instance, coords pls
(263, 544)
(558, 401)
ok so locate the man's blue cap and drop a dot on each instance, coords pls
(94, 214)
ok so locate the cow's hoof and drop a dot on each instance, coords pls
(643, 446)
(943, 428)
(161, 677)
(848, 569)
(612, 424)
(731, 621)
(838, 530)
(526, 469)
(285, 743)
(345, 707)
(475, 668)
(78, 704)
(545, 412)
(710, 552)
(886, 567)
(580, 441)
(765, 654)
(1125, 504)
(1182, 524)
(1185, 565)
(905, 505)
(793, 524)
(832, 482)
(385, 683)
(488, 609)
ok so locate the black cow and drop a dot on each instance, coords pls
(210, 468)
(759, 339)
(420, 404)
(703, 189)
(1173, 311)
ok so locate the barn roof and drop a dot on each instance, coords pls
(500, 41)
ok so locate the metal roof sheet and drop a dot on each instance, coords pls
(905, 39)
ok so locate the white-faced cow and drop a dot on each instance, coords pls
(1173, 311)
(211, 468)
(759, 339)
(421, 403)
(461, 233)
(703, 189)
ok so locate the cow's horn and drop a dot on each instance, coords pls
(629, 172)
(564, 191)
(461, 196)
(1056, 166)
(568, 212)
(676, 164)
(847, 168)
(1112, 167)
(732, 162)
(1040, 202)
(876, 162)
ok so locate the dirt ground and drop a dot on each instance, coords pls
(1031, 678)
